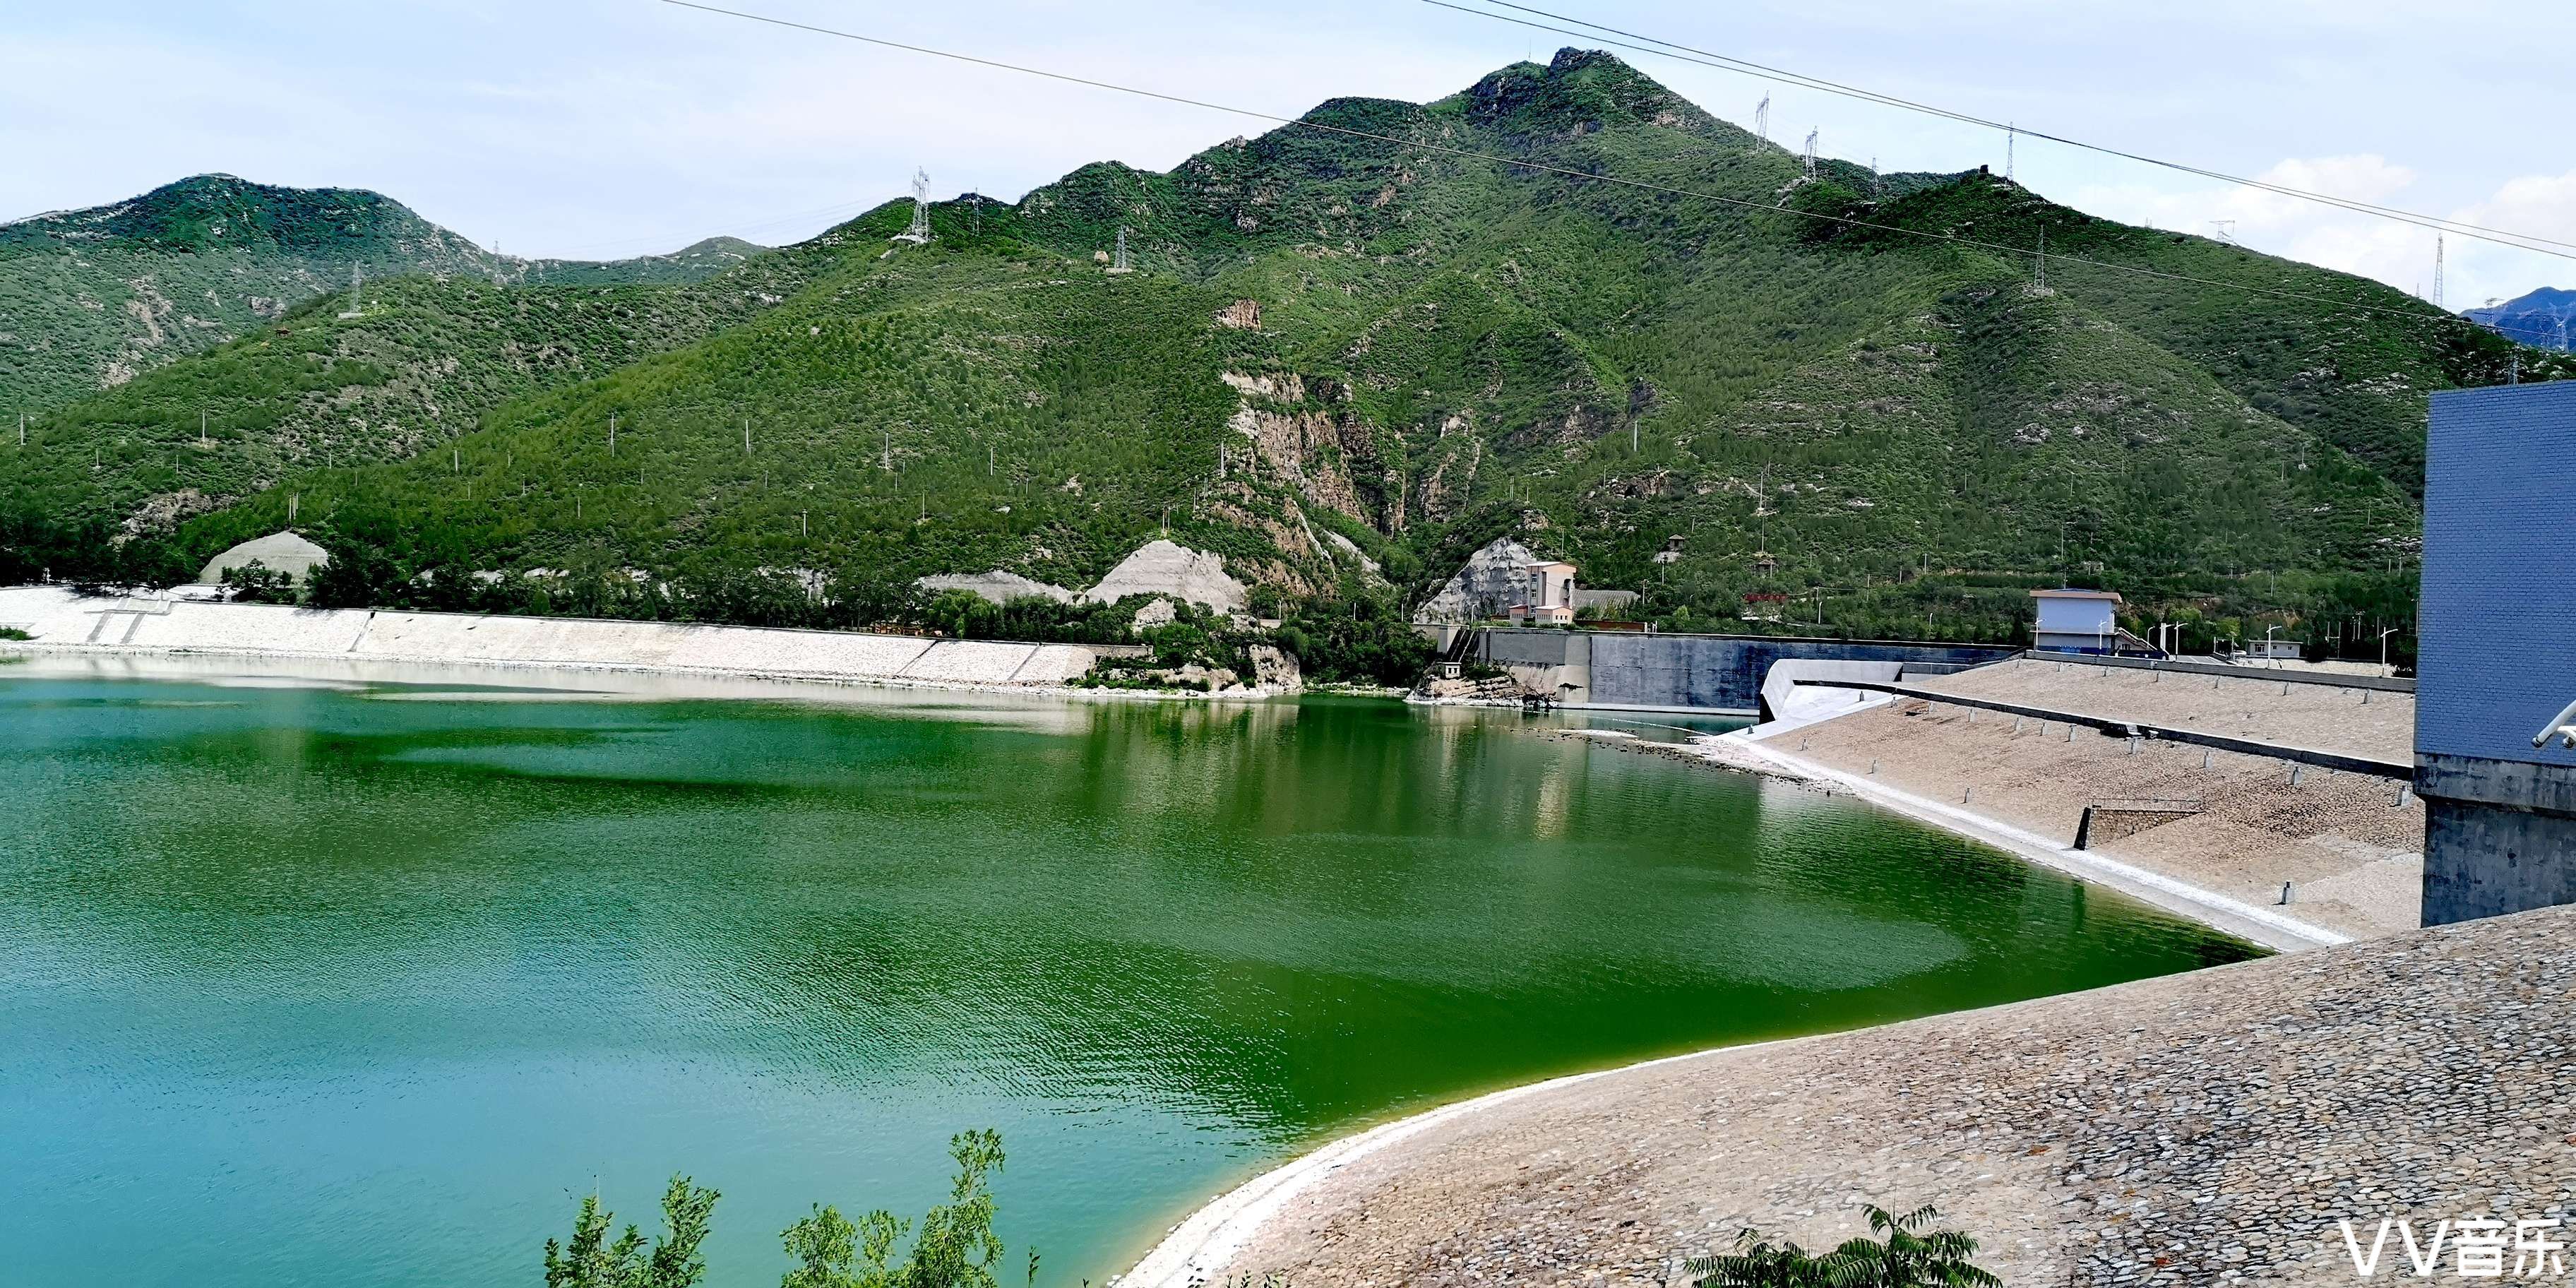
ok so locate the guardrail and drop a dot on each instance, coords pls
(2119, 728)
(2380, 683)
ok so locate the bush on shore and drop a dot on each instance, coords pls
(1903, 1256)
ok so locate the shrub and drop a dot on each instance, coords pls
(589, 1262)
(257, 583)
(1902, 1257)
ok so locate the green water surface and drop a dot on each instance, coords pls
(365, 983)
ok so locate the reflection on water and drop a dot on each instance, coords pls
(359, 975)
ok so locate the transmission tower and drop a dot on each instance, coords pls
(1762, 118)
(2226, 230)
(919, 233)
(1120, 264)
(2011, 136)
(2039, 265)
(1811, 154)
(2437, 271)
(357, 277)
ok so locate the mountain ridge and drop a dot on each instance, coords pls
(1458, 339)
(2541, 318)
(92, 297)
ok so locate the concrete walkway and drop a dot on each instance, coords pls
(59, 619)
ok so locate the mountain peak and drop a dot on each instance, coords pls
(1583, 89)
(217, 209)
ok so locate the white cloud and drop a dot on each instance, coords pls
(2395, 252)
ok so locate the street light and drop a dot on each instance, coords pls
(2383, 648)
(2561, 726)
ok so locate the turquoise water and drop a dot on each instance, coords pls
(367, 983)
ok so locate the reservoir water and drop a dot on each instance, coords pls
(363, 978)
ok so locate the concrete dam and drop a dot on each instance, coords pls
(1714, 674)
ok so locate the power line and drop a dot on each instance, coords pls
(2532, 242)
(1949, 239)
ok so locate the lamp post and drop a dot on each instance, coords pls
(2383, 649)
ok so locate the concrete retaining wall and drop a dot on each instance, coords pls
(1715, 673)
(58, 618)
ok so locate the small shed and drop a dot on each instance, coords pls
(2077, 621)
(279, 551)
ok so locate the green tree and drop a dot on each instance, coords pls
(257, 583)
(1903, 1256)
(592, 1261)
(956, 1249)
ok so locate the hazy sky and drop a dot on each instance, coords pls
(602, 128)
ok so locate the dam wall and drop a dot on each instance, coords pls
(1723, 674)
(57, 618)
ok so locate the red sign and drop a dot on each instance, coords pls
(1766, 597)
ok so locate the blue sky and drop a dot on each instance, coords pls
(612, 127)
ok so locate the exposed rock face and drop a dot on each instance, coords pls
(1351, 548)
(1154, 614)
(1242, 315)
(1276, 670)
(1311, 450)
(163, 512)
(1490, 582)
(1167, 568)
(281, 551)
(999, 586)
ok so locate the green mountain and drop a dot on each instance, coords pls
(1811, 385)
(91, 298)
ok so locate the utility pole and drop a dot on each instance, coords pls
(612, 436)
(2437, 270)
(2040, 265)
(1811, 154)
(1762, 118)
(2011, 136)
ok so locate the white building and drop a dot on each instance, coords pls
(2082, 621)
(1547, 594)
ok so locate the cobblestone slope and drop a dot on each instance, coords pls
(2195, 1129)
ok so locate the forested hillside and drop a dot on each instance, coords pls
(1848, 389)
(91, 298)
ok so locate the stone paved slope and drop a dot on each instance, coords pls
(2196, 1129)
(2352, 848)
